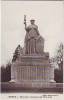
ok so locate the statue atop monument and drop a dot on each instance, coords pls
(34, 43)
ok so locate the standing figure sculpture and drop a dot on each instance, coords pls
(32, 37)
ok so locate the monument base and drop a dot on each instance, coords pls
(34, 84)
(32, 71)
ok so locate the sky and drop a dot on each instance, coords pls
(48, 16)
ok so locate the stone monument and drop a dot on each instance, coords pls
(32, 67)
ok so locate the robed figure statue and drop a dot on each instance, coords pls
(34, 43)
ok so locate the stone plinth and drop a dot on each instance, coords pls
(33, 69)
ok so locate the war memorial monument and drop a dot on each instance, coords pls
(32, 67)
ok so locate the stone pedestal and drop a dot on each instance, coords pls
(32, 69)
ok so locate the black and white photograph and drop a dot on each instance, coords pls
(32, 38)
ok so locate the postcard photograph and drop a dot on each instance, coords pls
(32, 38)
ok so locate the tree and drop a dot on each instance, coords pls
(58, 76)
(59, 56)
(6, 72)
(58, 73)
(3, 73)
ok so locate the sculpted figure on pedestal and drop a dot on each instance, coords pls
(34, 43)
